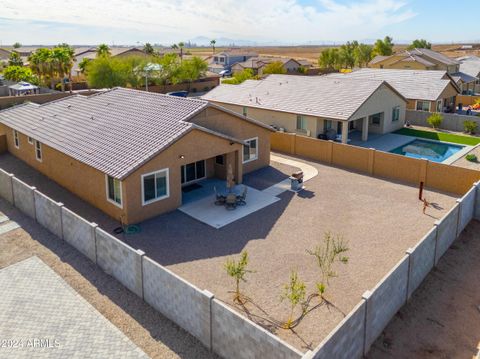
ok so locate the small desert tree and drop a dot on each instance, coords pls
(294, 291)
(470, 126)
(238, 270)
(330, 251)
(435, 120)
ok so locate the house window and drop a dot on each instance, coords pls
(222, 59)
(220, 160)
(114, 191)
(38, 151)
(301, 123)
(245, 111)
(16, 139)
(439, 106)
(30, 140)
(193, 172)
(376, 119)
(215, 59)
(396, 114)
(155, 186)
(423, 106)
(327, 124)
(250, 150)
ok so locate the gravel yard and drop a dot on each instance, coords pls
(379, 219)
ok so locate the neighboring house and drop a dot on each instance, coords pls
(416, 59)
(257, 64)
(315, 106)
(130, 152)
(4, 55)
(470, 65)
(91, 54)
(432, 91)
(225, 59)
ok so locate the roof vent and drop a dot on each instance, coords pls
(69, 106)
(92, 117)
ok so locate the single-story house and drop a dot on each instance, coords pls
(433, 91)
(257, 64)
(91, 54)
(470, 65)
(129, 152)
(316, 106)
(416, 59)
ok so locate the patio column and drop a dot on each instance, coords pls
(344, 132)
(365, 129)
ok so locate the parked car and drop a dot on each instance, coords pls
(224, 73)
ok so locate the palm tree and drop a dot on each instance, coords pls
(212, 43)
(41, 65)
(66, 58)
(181, 45)
(103, 50)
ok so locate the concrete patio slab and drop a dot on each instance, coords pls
(205, 210)
(386, 143)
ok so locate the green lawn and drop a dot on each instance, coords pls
(440, 136)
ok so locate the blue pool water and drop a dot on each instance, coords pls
(430, 150)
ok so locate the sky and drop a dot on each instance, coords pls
(287, 22)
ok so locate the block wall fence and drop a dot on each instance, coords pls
(215, 324)
(450, 122)
(375, 163)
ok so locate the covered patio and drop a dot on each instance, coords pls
(23, 88)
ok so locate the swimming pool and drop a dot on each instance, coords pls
(430, 150)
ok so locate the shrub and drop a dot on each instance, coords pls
(294, 292)
(471, 157)
(470, 126)
(238, 270)
(435, 120)
(329, 252)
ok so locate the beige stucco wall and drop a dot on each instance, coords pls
(195, 146)
(383, 100)
(84, 181)
(240, 129)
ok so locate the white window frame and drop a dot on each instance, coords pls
(30, 140)
(16, 139)
(167, 176)
(38, 148)
(119, 205)
(395, 109)
(184, 168)
(416, 105)
(256, 154)
(303, 122)
(439, 106)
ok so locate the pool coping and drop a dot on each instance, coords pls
(466, 149)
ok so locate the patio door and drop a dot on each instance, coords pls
(193, 172)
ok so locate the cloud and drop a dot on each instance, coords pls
(280, 20)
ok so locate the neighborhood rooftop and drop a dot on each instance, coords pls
(433, 55)
(114, 132)
(317, 96)
(412, 84)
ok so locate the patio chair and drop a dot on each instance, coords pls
(219, 198)
(231, 201)
(241, 199)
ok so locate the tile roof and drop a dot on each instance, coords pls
(471, 66)
(464, 77)
(378, 58)
(315, 95)
(115, 131)
(432, 55)
(412, 84)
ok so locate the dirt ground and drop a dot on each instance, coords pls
(157, 336)
(442, 319)
(313, 52)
